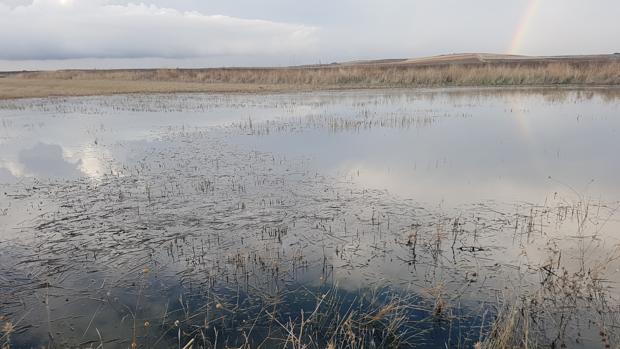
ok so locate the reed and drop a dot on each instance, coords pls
(89, 82)
(492, 74)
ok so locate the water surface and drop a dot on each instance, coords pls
(421, 216)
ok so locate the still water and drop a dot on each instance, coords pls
(353, 219)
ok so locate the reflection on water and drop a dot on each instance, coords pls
(521, 148)
(264, 220)
(6, 176)
(454, 146)
(47, 160)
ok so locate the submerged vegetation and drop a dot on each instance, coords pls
(193, 241)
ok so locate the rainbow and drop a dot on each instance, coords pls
(517, 38)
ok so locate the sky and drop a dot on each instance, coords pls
(53, 34)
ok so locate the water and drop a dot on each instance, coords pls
(422, 217)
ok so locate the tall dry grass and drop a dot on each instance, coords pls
(377, 75)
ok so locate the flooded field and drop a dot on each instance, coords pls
(361, 219)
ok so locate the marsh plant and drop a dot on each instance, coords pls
(193, 242)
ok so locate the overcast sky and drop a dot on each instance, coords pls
(48, 34)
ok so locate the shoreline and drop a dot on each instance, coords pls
(17, 89)
(499, 74)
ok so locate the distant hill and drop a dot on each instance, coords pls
(477, 58)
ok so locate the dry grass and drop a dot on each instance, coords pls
(6, 330)
(11, 88)
(94, 82)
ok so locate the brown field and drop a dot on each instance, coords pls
(440, 71)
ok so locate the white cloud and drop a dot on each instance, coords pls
(65, 29)
(58, 34)
(15, 3)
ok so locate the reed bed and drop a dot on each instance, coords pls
(489, 74)
(90, 82)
